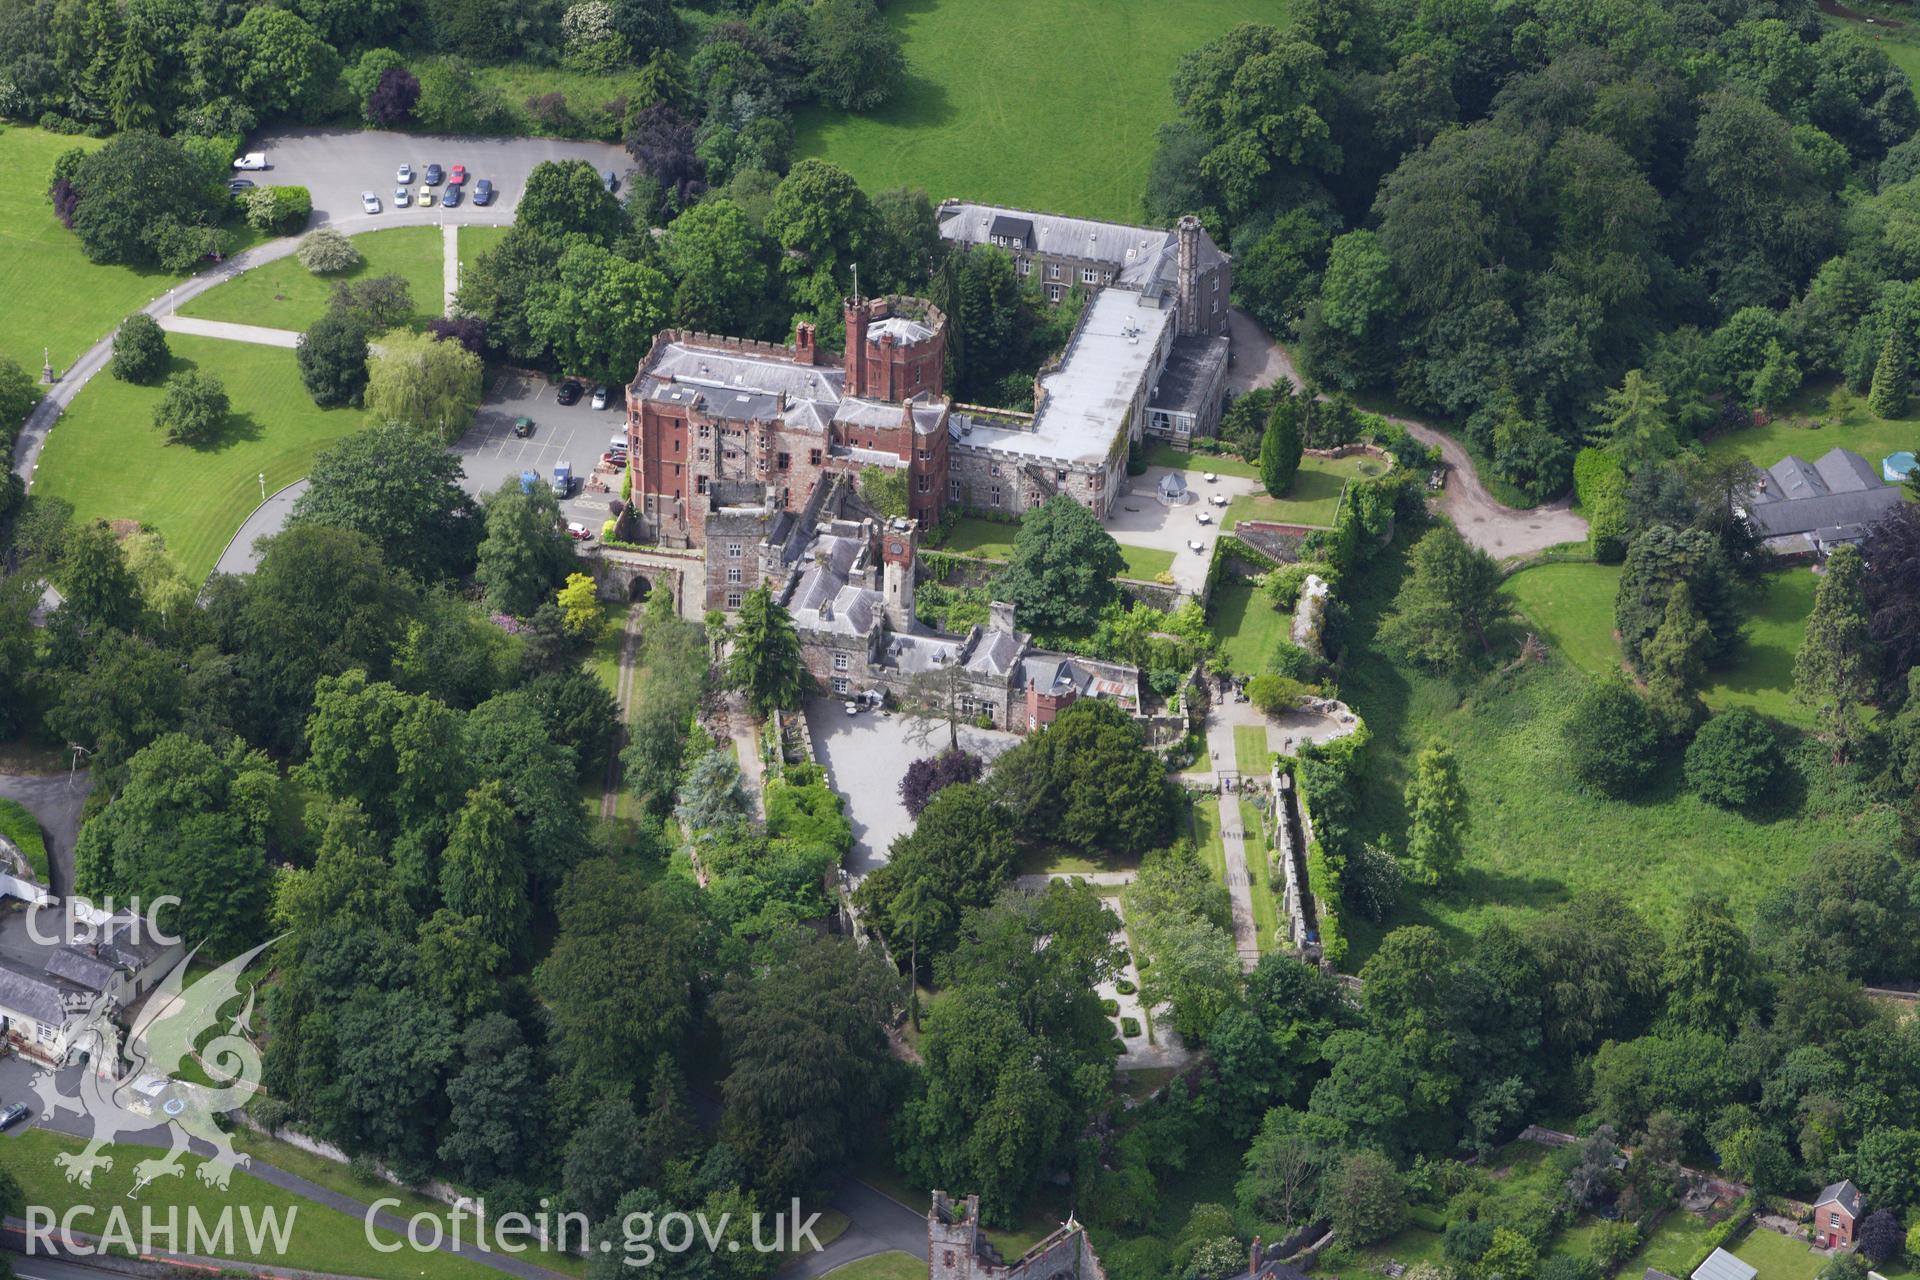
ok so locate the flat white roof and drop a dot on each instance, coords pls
(1089, 395)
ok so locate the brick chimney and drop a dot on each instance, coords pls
(804, 352)
(1253, 1259)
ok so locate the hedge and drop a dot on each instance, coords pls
(19, 826)
(1324, 883)
(1129, 1027)
(1600, 484)
(1722, 1232)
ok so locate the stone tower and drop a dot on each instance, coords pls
(897, 546)
(1187, 277)
(953, 1237)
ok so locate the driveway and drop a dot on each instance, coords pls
(1140, 518)
(1492, 526)
(55, 802)
(867, 755)
(336, 165)
(578, 433)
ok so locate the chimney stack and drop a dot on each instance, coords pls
(1000, 617)
(804, 352)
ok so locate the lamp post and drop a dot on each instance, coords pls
(46, 365)
(263, 486)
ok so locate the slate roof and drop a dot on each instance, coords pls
(1721, 1265)
(1842, 1193)
(84, 970)
(1797, 496)
(1195, 366)
(34, 994)
(1144, 258)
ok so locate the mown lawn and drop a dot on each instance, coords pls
(1536, 838)
(1162, 454)
(975, 536)
(319, 1238)
(1251, 755)
(1247, 625)
(1573, 605)
(55, 298)
(1675, 1243)
(1050, 107)
(107, 460)
(1206, 837)
(1312, 500)
(285, 295)
(1799, 430)
(475, 241)
(21, 827)
(1146, 563)
(1776, 1257)
(882, 1266)
(1265, 895)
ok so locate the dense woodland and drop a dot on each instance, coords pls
(1501, 213)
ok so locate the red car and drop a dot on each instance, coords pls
(457, 175)
(579, 532)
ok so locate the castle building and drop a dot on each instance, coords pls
(707, 414)
(956, 1249)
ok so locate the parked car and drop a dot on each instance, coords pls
(370, 202)
(600, 397)
(523, 426)
(404, 174)
(483, 191)
(613, 180)
(579, 532)
(614, 459)
(433, 175)
(562, 479)
(13, 1115)
(426, 196)
(529, 481)
(239, 184)
(570, 392)
(252, 160)
(402, 198)
(450, 197)
(456, 175)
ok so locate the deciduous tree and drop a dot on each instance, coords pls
(1451, 596)
(400, 488)
(193, 409)
(1063, 568)
(425, 383)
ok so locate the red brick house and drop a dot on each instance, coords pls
(1835, 1212)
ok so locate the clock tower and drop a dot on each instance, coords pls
(898, 538)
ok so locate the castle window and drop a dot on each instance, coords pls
(706, 431)
(1088, 275)
(1061, 475)
(994, 469)
(783, 461)
(1054, 293)
(926, 455)
(953, 488)
(699, 484)
(733, 573)
(1025, 266)
(993, 495)
(733, 551)
(839, 684)
(813, 456)
(706, 454)
(733, 599)
(840, 662)
(926, 484)
(1053, 271)
(676, 444)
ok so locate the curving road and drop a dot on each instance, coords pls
(1499, 530)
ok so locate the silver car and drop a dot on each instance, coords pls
(403, 175)
(370, 202)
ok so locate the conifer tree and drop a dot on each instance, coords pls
(1891, 382)
(1438, 803)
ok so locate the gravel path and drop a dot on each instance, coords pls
(257, 334)
(1499, 530)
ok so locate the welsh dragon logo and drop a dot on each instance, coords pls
(168, 1029)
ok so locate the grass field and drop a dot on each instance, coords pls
(1247, 625)
(1573, 605)
(1251, 755)
(19, 826)
(1314, 497)
(107, 460)
(1536, 838)
(319, 1238)
(973, 536)
(1776, 1257)
(1162, 454)
(1206, 837)
(475, 241)
(285, 295)
(1053, 109)
(1800, 431)
(1265, 896)
(1146, 563)
(56, 299)
(882, 1266)
(1675, 1243)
